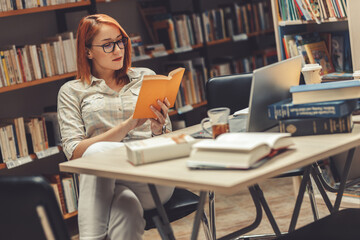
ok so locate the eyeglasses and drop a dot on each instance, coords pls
(110, 46)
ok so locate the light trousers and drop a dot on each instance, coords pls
(113, 209)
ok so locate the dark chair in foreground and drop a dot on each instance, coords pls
(342, 225)
(29, 209)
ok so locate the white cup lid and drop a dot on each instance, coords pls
(356, 73)
(311, 67)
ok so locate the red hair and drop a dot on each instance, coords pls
(87, 30)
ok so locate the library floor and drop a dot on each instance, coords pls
(236, 211)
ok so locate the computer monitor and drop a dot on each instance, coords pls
(271, 84)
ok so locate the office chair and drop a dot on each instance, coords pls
(343, 225)
(233, 91)
(29, 209)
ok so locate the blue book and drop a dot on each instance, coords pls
(330, 91)
(286, 109)
(316, 126)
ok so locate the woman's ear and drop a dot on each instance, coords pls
(88, 53)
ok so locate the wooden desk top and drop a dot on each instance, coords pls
(307, 149)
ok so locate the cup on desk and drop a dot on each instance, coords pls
(219, 120)
(311, 73)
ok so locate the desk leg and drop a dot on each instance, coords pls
(212, 213)
(257, 221)
(198, 215)
(343, 179)
(164, 226)
(299, 198)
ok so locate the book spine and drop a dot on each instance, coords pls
(327, 110)
(316, 126)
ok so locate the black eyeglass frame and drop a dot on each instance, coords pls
(124, 41)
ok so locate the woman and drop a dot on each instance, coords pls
(93, 117)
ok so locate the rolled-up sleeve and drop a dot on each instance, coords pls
(71, 124)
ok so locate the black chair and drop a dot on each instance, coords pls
(233, 91)
(29, 209)
(342, 225)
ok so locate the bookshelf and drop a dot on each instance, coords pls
(30, 26)
(332, 24)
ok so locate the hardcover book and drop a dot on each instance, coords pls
(318, 53)
(159, 149)
(330, 91)
(316, 126)
(337, 76)
(286, 109)
(237, 150)
(156, 87)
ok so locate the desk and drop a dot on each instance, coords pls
(307, 150)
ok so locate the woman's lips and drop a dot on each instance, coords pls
(117, 59)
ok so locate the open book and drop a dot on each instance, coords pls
(156, 87)
(237, 150)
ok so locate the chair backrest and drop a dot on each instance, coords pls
(232, 91)
(29, 210)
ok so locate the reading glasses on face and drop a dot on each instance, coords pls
(110, 46)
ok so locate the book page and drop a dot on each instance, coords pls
(154, 88)
(245, 141)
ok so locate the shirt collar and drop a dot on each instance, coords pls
(133, 75)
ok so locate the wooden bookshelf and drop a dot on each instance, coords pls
(44, 9)
(197, 105)
(301, 22)
(37, 82)
(70, 215)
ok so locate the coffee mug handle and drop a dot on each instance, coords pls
(202, 125)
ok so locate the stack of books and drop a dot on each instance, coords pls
(323, 108)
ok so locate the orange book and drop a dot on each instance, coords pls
(156, 87)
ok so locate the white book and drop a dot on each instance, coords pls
(35, 61)
(237, 150)
(46, 60)
(159, 149)
(69, 200)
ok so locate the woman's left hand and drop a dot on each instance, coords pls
(158, 122)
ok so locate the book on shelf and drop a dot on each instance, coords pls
(316, 126)
(337, 76)
(55, 182)
(156, 87)
(318, 53)
(286, 109)
(20, 135)
(237, 150)
(159, 149)
(330, 91)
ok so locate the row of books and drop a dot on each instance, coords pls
(237, 19)
(19, 137)
(242, 65)
(8, 5)
(192, 88)
(66, 191)
(178, 31)
(323, 108)
(24, 64)
(330, 50)
(317, 10)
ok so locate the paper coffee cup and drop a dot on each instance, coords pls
(356, 74)
(311, 73)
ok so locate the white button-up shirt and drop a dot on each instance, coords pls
(85, 111)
